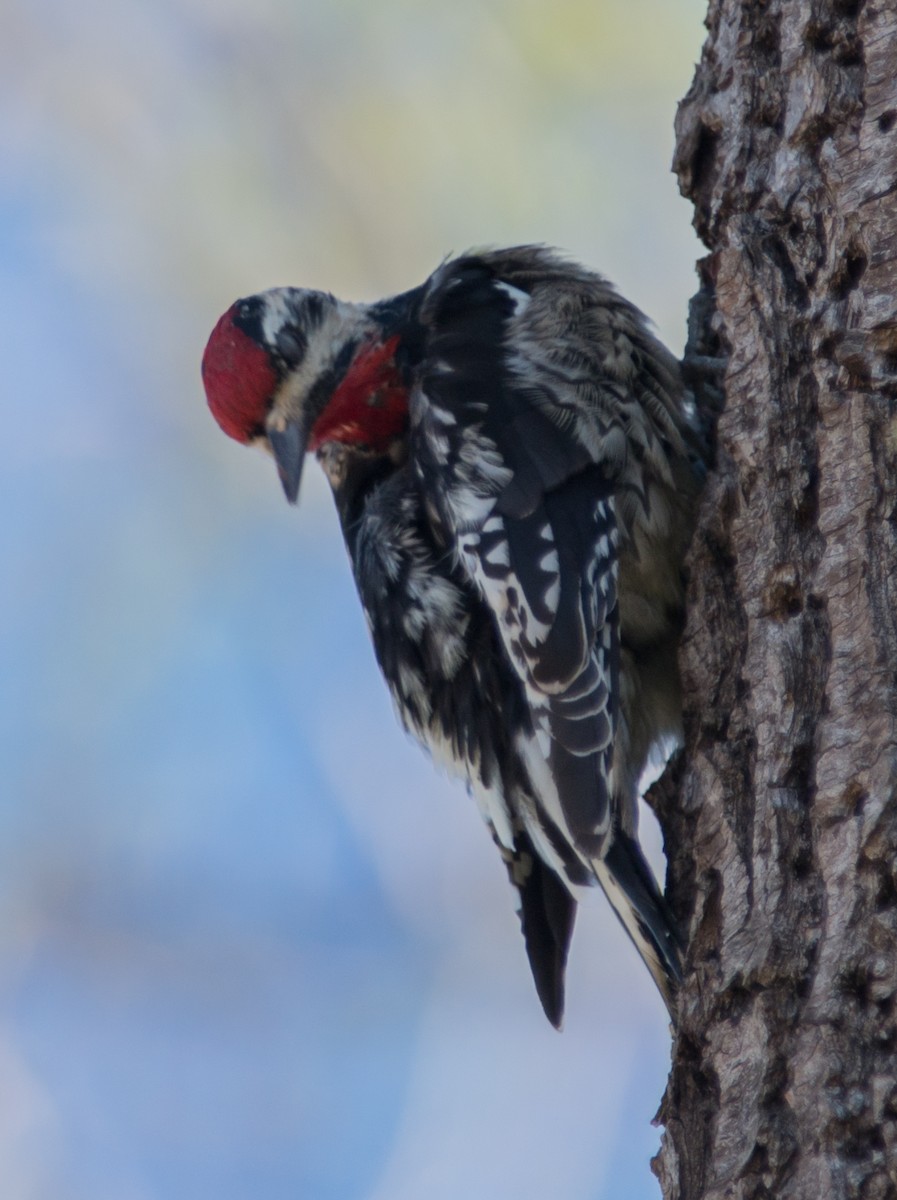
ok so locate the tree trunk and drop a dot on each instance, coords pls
(782, 824)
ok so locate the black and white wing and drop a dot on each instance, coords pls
(532, 518)
(517, 483)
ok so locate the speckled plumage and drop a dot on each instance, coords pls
(516, 488)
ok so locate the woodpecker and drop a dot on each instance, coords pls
(515, 464)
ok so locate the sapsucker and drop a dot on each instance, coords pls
(515, 465)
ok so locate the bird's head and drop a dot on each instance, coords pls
(295, 370)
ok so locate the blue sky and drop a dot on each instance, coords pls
(251, 944)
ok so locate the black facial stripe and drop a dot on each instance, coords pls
(325, 385)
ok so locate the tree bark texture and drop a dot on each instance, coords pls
(782, 824)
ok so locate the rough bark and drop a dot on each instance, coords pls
(782, 824)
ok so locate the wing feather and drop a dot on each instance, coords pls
(531, 509)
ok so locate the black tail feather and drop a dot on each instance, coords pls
(636, 899)
(547, 913)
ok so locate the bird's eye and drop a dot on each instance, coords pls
(292, 344)
(244, 310)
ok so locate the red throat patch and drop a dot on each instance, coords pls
(238, 378)
(370, 406)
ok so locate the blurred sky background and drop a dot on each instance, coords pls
(251, 945)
